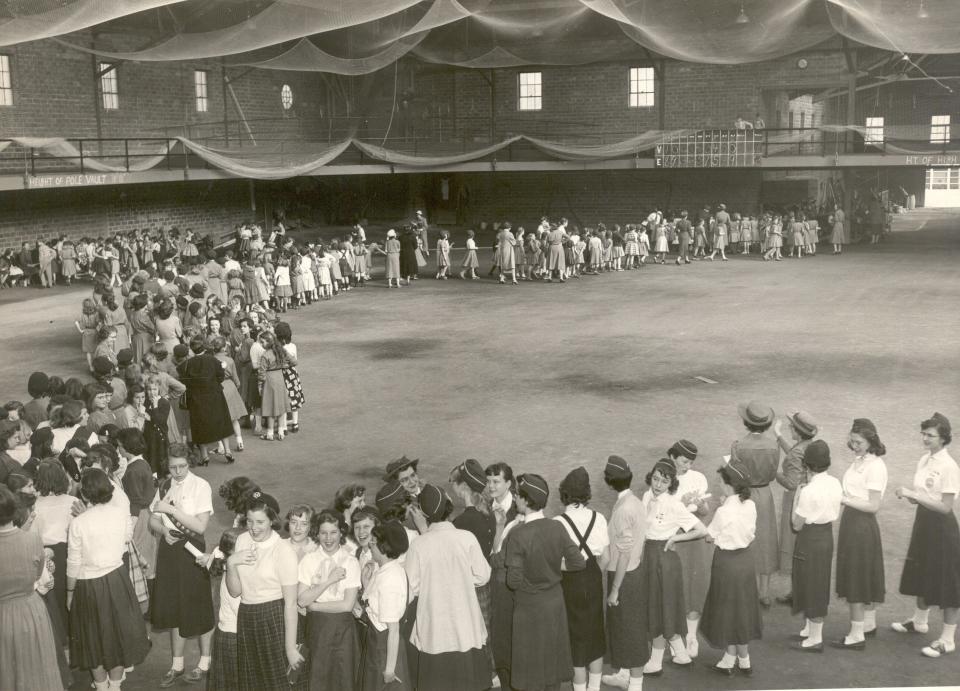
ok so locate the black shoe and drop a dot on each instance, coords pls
(230, 458)
(872, 633)
(725, 671)
(843, 645)
(785, 599)
(818, 648)
(745, 671)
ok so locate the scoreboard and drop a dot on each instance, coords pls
(711, 149)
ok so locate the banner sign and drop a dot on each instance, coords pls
(34, 182)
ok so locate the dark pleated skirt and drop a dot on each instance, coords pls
(466, 671)
(182, 597)
(106, 626)
(334, 651)
(696, 557)
(541, 653)
(787, 536)
(501, 619)
(932, 567)
(812, 562)
(629, 644)
(583, 597)
(223, 665)
(860, 558)
(375, 661)
(663, 582)
(261, 659)
(731, 613)
(766, 545)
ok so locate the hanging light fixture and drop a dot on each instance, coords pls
(922, 13)
(742, 18)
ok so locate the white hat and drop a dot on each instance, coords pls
(391, 233)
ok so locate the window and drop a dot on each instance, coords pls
(6, 87)
(939, 129)
(813, 119)
(530, 91)
(200, 90)
(642, 83)
(790, 120)
(109, 89)
(943, 178)
(803, 119)
(874, 131)
(286, 97)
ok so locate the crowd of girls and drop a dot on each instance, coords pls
(402, 591)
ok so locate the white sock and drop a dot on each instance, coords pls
(636, 684)
(816, 634)
(656, 658)
(726, 662)
(111, 684)
(692, 626)
(948, 633)
(593, 681)
(177, 665)
(204, 663)
(679, 651)
(805, 631)
(101, 685)
(579, 687)
(921, 616)
(856, 632)
(869, 619)
(743, 662)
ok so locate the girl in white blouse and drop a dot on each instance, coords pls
(329, 579)
(731, 615)
(262, 572)
(931, 571)
(668, 522)
(695, 555)
(816, 507)
(223, 670)
(860, 577)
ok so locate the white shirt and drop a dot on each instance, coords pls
(505, 504)
(192, 496)
(597, 540)
(734, 525)
(53, 511)
(937, 475)
(692, 481)
(866, 473)
(471, 244)
(386, 595)
(819, 501)
(61, 435)
(232, 265)
(96, 541)
(666, 514)
(256, 352)
(275, 568)
(316, 567)
(229, 605)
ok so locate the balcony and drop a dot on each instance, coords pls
(356, 146)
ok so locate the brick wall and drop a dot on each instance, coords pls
(207, 207)
(55, 93)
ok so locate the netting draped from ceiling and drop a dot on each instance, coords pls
(359, 36)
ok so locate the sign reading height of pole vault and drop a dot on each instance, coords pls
(711, 149)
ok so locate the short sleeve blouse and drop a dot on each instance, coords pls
(867, 473)
(192, 496)
(666, 515)
(275, 568)
(937, 474)
(316, 567)
(819, 501)
(386, 595)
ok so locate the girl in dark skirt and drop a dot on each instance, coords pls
(329, 581)
(384, 663)
(932, 569)
(731, 615)
(668, 522)
(583, 590)
(816, 508)
(223, 670)
(107, 632)
(181, 600)
(262, 572)
(859, 549)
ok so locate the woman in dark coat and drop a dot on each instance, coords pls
(209, 415)
(408, 255)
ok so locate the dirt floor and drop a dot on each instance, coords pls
(549, 377)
